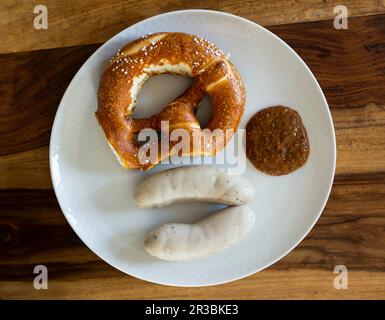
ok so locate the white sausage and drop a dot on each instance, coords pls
(178, 242)
(198, 183)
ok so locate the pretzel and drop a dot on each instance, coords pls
(175, 53)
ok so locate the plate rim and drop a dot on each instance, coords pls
(243, 20)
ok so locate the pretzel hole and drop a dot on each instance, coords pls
(157, 92)
(204, 111)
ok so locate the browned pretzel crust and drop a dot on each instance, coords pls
(176, 53)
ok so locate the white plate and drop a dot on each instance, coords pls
(95, 193)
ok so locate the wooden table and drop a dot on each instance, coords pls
(35, 69)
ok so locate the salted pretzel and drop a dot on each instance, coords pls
(175, 53)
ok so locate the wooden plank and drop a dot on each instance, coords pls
(361, 150)
(31, 86)
(25, 170)
(357, 100)
(269, 284)
(73, 22)
(350, 232)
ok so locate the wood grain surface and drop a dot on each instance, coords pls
(350, 67)
(74, 22)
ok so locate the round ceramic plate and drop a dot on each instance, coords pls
(95, 193)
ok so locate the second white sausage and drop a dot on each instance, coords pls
(178, 241)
